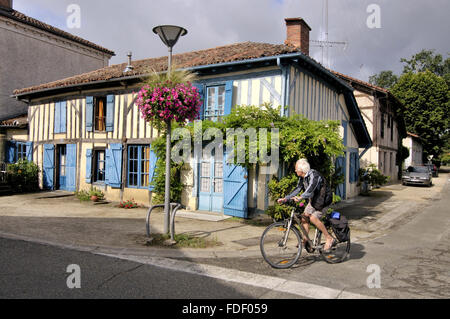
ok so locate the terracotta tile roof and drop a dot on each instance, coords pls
(18, 121)
(363, 83)
(413, 135)
(222, 54)
(20, 17)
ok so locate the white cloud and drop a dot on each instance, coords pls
(407, 26)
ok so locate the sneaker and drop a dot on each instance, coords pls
(308, 247)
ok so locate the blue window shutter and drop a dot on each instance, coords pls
(11, 152)
(228, 97)
(48, 166)
(352, 168)
(89, 113)
(201, 91)
(89, 166)
(57, 117)
(109, 113)
(151, 172)
(71, 167)
(114, 165)
(63, 116)
(29, 151)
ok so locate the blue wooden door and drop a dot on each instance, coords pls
(71, 167)
(49, 166)
(235, 186)
(211, 184)
(341, 168)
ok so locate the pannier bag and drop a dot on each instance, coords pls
(340, 226)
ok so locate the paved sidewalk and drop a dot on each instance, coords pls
(58, 218)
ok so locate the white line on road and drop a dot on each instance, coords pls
(231, 275)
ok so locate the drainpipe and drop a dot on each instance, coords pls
(285, 93)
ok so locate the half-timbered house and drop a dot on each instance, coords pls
(86, 130)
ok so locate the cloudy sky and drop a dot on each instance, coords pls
(375, 40)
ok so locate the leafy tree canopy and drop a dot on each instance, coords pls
(385, 79)
(425, 97)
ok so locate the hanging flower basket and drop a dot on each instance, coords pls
(167, 101)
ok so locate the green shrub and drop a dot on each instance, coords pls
(83, 195)
(23, 176)
(373, 176)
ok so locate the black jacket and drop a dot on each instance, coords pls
(316, 189)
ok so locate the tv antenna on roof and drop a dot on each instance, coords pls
(325, 44)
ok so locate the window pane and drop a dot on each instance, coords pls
(205, 185)
(205, 169)
(218, 185)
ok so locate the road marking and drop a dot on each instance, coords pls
(231, 275)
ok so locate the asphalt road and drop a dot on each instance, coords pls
(410, 260)
(30, 270)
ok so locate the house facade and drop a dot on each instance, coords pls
(30, 49)
(386, 127)
(412, 142)
(87, 131)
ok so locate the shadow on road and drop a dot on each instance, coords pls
(366, 206)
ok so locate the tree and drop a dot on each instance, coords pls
(426, 60)
(385, 79)
(425, 97)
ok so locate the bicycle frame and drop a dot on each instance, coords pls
(303, 231)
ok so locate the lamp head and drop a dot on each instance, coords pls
(169, 34)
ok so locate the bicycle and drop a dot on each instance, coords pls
(281, 242)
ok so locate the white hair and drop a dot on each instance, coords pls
(303, 165)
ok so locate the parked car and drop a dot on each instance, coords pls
(433, 169)
(418, 175)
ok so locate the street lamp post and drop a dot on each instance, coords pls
(169, 35)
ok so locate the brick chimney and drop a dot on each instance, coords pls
(297, 34)
(8, 4)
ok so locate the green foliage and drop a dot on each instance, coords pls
(402, 154)
(159, 180)
(85, 195)
(373, 176)
(299, 137)
(425, 97)
(426, 60)
(279, 189)
(96, 192)
(384, 79)
(23, 176)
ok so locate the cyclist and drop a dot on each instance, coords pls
(320, 198)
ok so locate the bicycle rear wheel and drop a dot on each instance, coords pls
(337, 253)
(278, 252)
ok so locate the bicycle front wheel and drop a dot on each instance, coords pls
(279, 248)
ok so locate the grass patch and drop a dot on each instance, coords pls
(182, 241)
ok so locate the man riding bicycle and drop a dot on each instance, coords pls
(320, 198)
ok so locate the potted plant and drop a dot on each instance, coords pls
(96, 195)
